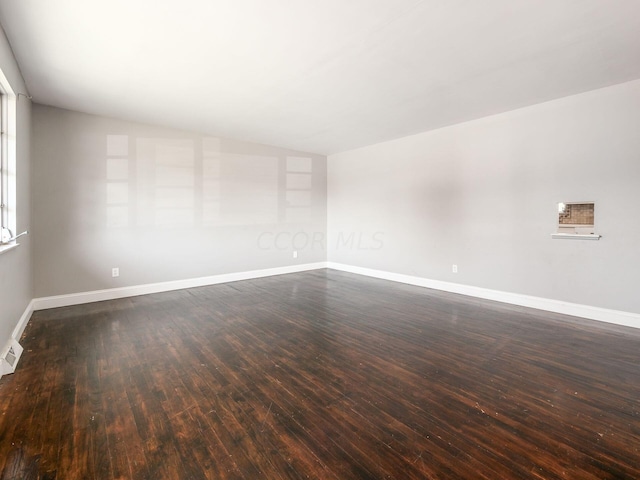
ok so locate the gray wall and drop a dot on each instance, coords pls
(483, 195)
(165, 205)
(16, 286)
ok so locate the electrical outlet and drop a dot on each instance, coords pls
(115, 272)
(454, 268)
(295, 254)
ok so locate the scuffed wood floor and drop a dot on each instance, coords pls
(321, 375)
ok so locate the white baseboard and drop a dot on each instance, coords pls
(122, 292)
(617, 317)
(22, 323)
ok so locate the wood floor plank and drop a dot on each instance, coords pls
(322, 375)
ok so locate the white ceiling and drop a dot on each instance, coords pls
(317, 75)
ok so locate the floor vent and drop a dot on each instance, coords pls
(10, 357)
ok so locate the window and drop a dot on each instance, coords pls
(576, 220)
(7, 164)
(4, 223)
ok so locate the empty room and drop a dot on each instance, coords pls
(278, 239)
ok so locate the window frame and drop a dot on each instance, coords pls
(8, 160)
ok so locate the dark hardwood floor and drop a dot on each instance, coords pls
(321, 375)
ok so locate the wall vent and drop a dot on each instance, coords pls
(10, 357)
